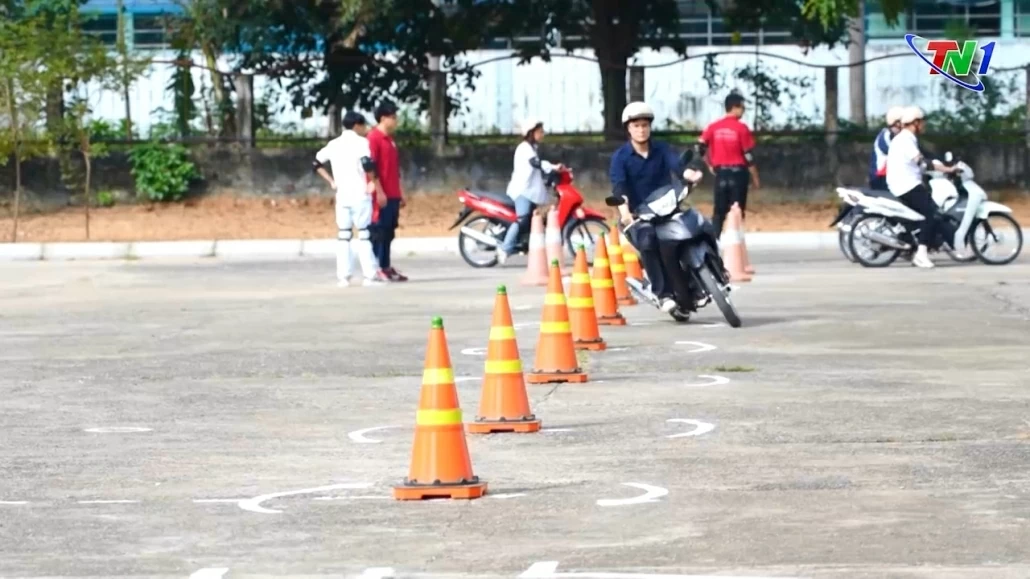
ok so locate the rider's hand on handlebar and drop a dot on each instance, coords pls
(693, 175)
(625, 217)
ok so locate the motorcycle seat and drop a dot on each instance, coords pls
(874, 192)
(501, 198)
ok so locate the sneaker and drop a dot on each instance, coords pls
(383, 276)
(373, 281)
(921, 259)
(502, 257)
(395, 275)
(667, 304)
(343, 283)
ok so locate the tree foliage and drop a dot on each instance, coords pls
(812, 22)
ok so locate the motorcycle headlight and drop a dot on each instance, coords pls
(665, 204)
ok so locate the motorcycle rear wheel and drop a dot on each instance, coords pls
(722, 300)
(890, 253)
(464, 241)
(845, 247)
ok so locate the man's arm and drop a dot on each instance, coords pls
(318, 166)
(702, 148)
(620, 185)
(368, 163)
(747, 143)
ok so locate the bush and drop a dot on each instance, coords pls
(163, 172)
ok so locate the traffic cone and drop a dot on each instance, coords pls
(605, 304)
(552, 238)
(629, 255)
(618, 267)
(536, 268)
(743, 240)
(503, 405)
(555, 350)
(732, 243)
(585, 333)
(440, 463)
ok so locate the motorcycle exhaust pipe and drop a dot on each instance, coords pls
(479, 236)
(887, 240)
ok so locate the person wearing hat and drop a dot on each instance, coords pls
(355, 179)
(729, 143)
(639, 167)
(526, 187)
(905, 166)
(878, 160)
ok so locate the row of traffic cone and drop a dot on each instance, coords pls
(440, 463)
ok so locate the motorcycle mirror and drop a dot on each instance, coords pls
(614, 201)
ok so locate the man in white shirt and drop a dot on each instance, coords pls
(355, 181)
(905, 166)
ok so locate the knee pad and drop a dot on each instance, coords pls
(364, 234)
(344, 234)
(644, 238)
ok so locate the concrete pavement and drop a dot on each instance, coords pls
(209, 418)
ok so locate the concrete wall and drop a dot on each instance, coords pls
(797, 171)
(565, 93)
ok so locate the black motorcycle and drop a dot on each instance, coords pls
(689, 252)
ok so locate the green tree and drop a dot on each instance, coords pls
(812, 22)
(616, 30)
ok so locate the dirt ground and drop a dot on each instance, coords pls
(227, 217)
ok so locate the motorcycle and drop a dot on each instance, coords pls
(689, 251)
(888, 228)
(494, 213)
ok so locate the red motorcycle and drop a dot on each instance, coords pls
(495, 213)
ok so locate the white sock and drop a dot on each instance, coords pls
(369, 266)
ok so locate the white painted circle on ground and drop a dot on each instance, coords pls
(118, 429)
(651, 495)
(698, 346)
(521, 308)
(699, 427)
(359, 435)
(557, 429)
(524, 325)
(466, 379)
(619, 349)
(715, 325)
(474, 351)
(712, 381)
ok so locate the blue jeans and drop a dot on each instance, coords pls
(523, 211)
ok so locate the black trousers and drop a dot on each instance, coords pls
(730, 187)
(384, 230)
(645, 239)
(920, 201)
(878, 183)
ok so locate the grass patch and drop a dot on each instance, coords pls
(734, 369)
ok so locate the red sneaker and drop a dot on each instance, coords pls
(396, 275)
(383, 275)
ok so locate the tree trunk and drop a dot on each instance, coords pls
(12, 112)
(124, 54)
(55, 106)
(856, 73)
(89, 174)
(222, 105)
(613, 87)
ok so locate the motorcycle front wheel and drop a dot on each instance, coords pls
(722, 300)
(866, 251)
(989, 233)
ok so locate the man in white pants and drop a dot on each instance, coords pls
(357, 186)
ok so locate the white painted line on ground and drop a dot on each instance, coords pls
(14, 502)
(118, 429)
(108, 502)
(505, 495)
(378, 573)
(354, 498)
(699, 346)
(549, 570)
(474, 351)
(467, 379)
(713, 381)
(642, 323)
(557, 429)
(651, 495)
(210, 573)
(202, 501)
(715, 325)
(699, 427)
(521, 308)
(524, 325)
(620, 349)
(254, 505)
(359, 435)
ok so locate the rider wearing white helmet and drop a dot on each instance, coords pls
(905, 166)
(639, 167)
(878, 161)
(526, 187)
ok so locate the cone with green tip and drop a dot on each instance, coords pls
(555, 351)
(440, 462)
(503, 403)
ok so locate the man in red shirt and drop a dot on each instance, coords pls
(729, 144)
(384, 153)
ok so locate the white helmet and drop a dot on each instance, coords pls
(637, 110)
(911, 115)
(894, 115)
(528, 124)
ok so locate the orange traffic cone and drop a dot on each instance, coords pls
(585, 333)
(619, 271)
(555, 350)
(503, 405)
(731, 242)
(629, 255)
(536, 268)
(743, 241)
(552, 238)
(440, 463)
(605, 304)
